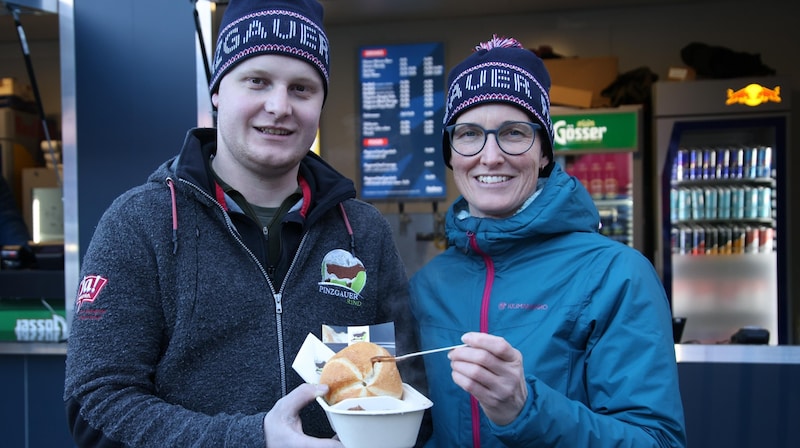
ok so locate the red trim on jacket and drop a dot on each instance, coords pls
(487, 294)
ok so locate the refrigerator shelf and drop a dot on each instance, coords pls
(612, 203)
(726, 221)
(759, 181)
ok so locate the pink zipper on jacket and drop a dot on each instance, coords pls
(487, 292)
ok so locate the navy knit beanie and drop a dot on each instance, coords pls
(285, 27)
(500, 70)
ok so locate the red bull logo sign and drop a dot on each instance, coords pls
(753, 95)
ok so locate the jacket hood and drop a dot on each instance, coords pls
(328, 187)
(562, 206)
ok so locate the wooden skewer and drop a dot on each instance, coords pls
(390, 358)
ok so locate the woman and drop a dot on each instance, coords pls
(568, 332)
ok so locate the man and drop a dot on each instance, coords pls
(200, 286)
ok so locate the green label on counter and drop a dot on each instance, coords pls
(31, 320)
(618, 131)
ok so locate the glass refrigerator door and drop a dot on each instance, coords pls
(602, 147)
(609, 179)
(719, 190)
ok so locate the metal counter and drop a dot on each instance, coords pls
(737, 354)
(684, 353)
(734, 396)
(740, 395)
(33, 348)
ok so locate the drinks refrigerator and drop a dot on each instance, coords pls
(602, 147)
(720, 156)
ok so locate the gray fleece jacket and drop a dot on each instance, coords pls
(179, 336)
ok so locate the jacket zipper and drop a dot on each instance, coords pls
(484, 326)
(271, 268)
(279, 316)
(278, 297)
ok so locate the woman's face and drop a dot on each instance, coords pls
(494, 183)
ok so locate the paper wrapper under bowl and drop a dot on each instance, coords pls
(381, 421)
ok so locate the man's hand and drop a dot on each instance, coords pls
(282, 425)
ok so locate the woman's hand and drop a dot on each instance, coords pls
(490, 369)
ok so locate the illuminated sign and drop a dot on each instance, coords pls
(596, 131)
(753, 95)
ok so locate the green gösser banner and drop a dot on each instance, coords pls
(596, 132)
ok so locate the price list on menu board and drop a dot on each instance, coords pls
(402, 107)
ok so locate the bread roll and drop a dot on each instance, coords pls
(351, 374)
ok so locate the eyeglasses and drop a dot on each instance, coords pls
(513, 138)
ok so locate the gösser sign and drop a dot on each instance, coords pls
(596, 131)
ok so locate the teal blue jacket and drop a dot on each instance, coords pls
(588, 314)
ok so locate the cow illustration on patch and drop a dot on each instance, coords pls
(340, 267)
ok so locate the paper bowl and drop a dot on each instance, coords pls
(383, 421)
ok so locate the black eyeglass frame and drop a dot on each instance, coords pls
(449, 129)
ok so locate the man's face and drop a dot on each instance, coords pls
(268, 110)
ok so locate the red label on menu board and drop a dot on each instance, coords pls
(373, 53)
(376, 141)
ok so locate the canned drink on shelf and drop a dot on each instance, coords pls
(698, 208)
(673, 205)
(749, 165)
(751, 240)
(766, 237)
(750, 202)
(684, 240)
(605, 224)
(723, 163)
(698, 241)
(683, 204)
(681, 165)
(709, 163)
(711, 198)
(764, 162)
(737, 202)
(764, 202)
(737, 163)
(724, 203)
(693, 161)
(674, 236)
(738, 238)
(725, 240)
(712, 240)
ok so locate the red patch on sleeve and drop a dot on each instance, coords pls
(90, 287)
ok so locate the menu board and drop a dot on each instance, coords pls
(402, 107)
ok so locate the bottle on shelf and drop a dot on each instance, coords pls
(596, 180)
(610, 182)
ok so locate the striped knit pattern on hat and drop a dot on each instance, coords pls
(500, 71)
(284, 27)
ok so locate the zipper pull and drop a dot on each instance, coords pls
(278, 305)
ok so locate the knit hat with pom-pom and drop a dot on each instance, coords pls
(500, 71)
